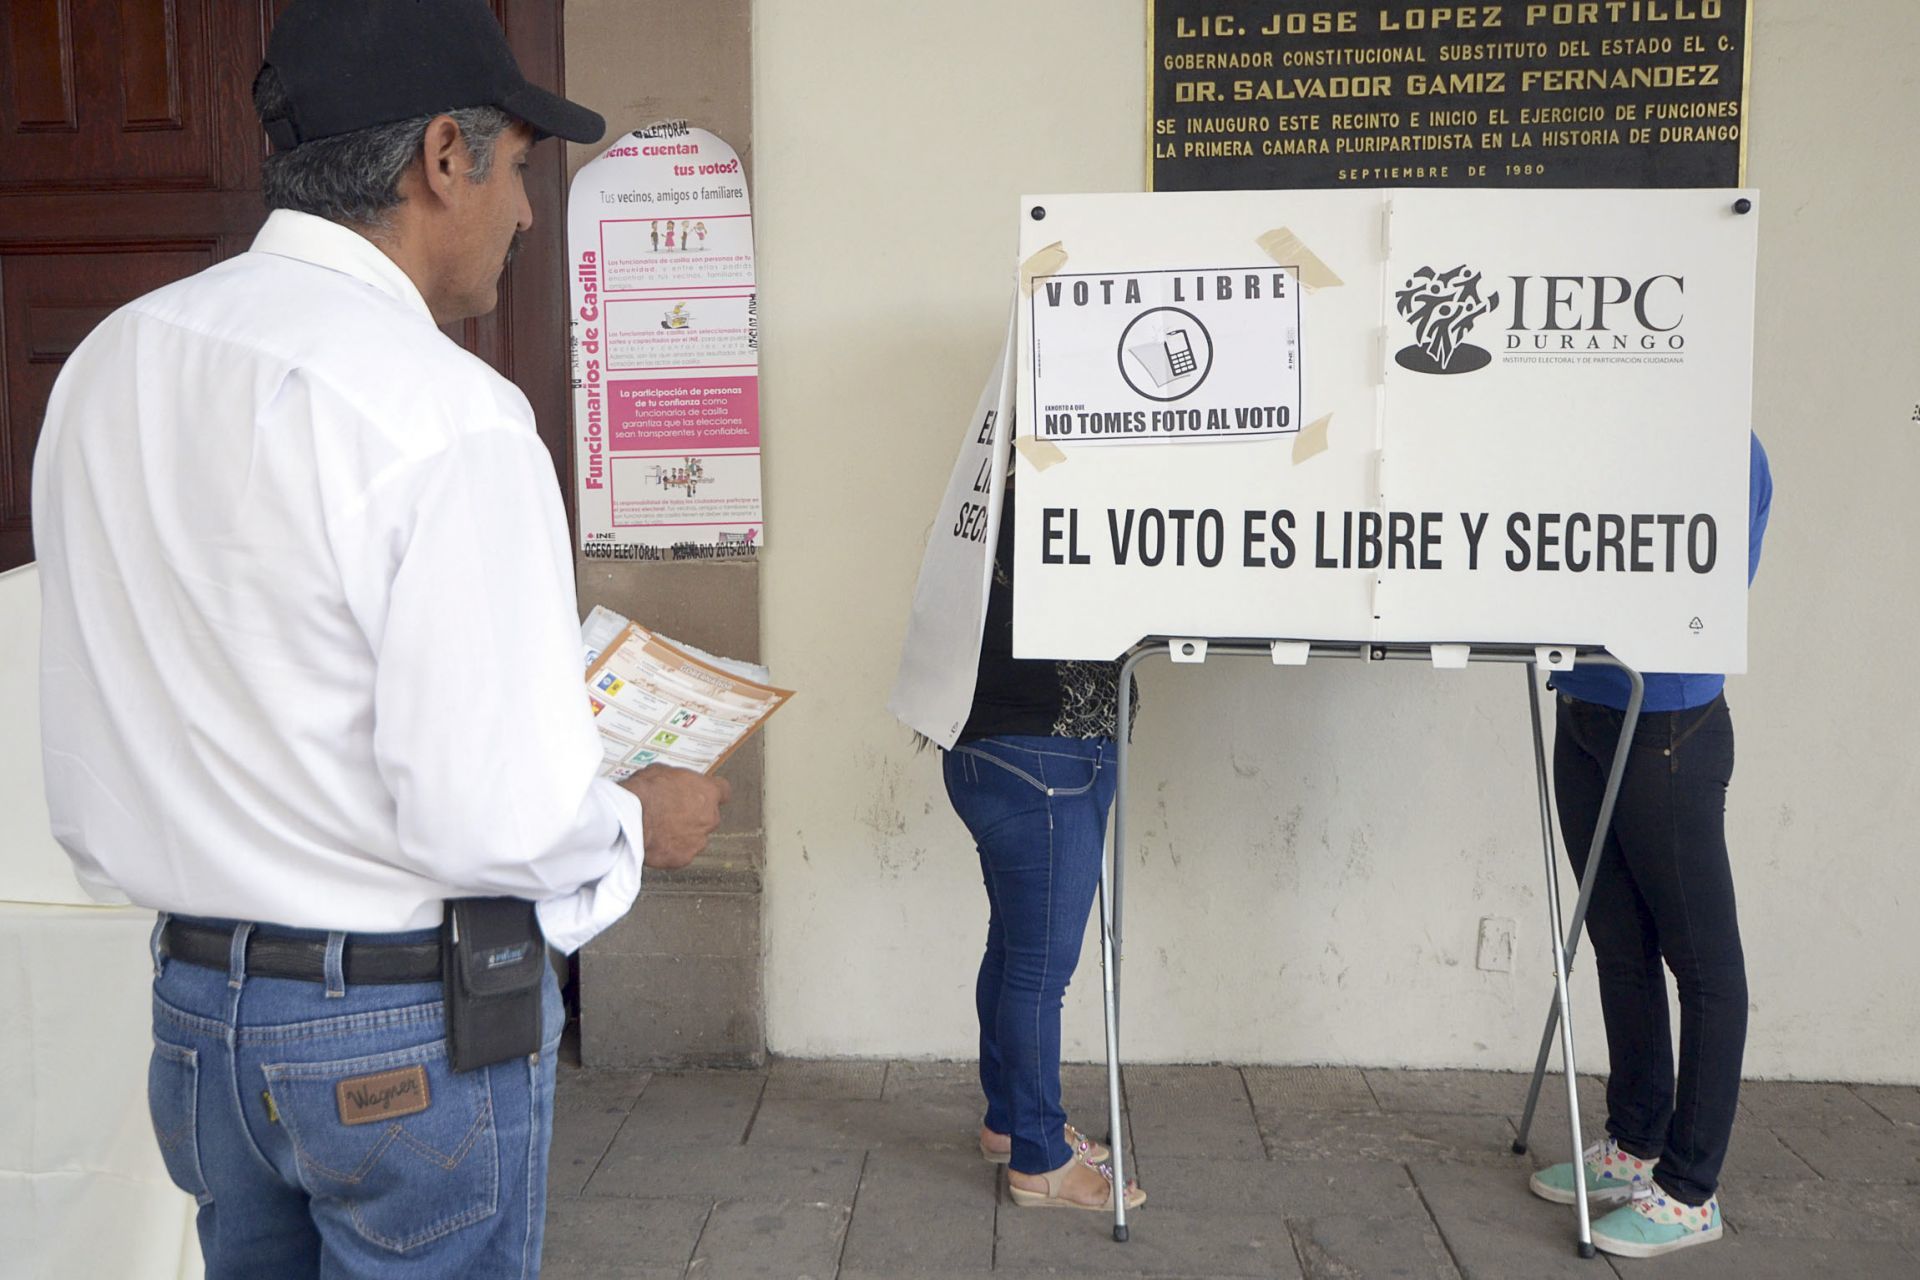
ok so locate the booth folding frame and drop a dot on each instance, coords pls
(1564, 932)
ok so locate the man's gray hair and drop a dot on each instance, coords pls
(354, 178)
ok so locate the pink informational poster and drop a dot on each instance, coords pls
(665, 341)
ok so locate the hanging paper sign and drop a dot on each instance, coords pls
(1209, 354)
(665, 342)
(940, 660)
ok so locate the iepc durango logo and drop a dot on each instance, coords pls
(1442, 307)
(1560, 318)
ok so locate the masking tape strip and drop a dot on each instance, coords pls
(1043, 262)
(1040, 453)
(1311, 440)
(1289, 250)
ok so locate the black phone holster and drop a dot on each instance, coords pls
(493, 957)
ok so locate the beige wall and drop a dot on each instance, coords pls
(1316, 849)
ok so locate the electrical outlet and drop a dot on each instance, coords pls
(1495, 953)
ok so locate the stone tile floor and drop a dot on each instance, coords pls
(868, 1171)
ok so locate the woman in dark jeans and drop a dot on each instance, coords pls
(1032, 776)
(1664, 892)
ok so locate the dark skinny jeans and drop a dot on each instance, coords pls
(1664, 893)
(1037, 808)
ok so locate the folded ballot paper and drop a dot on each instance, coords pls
(658, 701)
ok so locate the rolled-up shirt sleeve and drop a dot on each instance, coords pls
(483, 732)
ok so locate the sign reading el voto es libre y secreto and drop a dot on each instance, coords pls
(1525, 422)
(1515, 93)
(665, 345)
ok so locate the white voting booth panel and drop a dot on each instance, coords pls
(1461, 416)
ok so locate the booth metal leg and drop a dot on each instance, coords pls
(1565, 933)
(1119, 915)
(1114, 1123)
(1122, 731)
(1560, 1013)
(1582, 1215)
(1542, 785)
(1594, 852)
(1112, 873)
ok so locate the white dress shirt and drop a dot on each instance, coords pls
(309, 651)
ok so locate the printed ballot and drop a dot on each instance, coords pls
(657, 701)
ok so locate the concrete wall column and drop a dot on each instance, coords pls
(678, 981)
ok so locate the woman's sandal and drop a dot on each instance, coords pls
(1052, 1198)
(1079, 1142)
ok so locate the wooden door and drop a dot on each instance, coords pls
(130, 156)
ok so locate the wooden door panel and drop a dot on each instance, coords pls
(130, 156)
(51, 297)
(108, 95)
(39, 42)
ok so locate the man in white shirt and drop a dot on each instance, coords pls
(311, 667)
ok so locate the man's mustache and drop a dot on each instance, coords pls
(513, 247)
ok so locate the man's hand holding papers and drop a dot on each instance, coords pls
(668, 715)
(679, 810)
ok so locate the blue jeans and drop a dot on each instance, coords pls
(1663, 894)
(252, 1087)
(1037, 808)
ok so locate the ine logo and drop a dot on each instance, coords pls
(1442, 308)
(1165, 353)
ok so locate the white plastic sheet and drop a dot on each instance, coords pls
(940, 659)
(82, 1189)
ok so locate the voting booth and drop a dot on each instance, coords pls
(1443, 426)
(1397, 416)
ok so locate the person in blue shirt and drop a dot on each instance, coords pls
(1663, 894)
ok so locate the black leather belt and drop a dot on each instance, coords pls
(278, 956)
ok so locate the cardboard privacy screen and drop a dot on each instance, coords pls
(1421, 416)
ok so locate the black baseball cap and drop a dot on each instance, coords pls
(353, 64)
